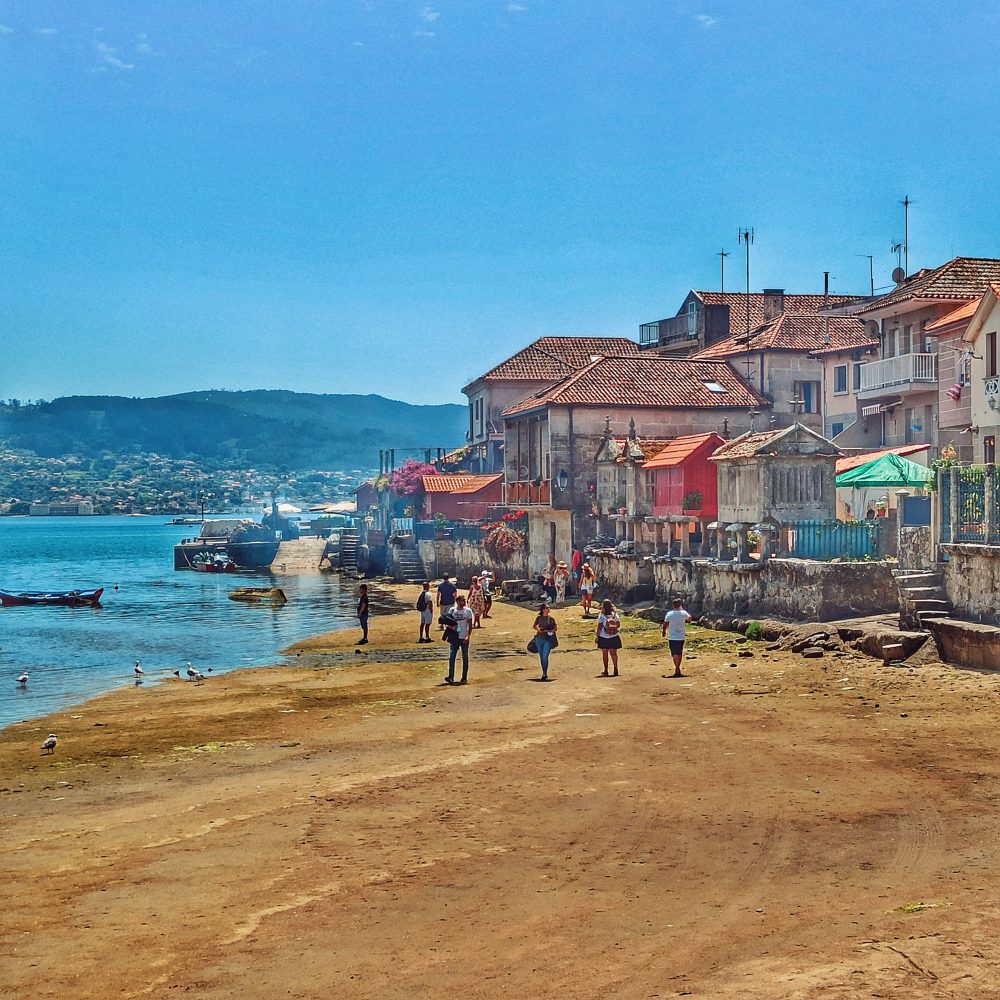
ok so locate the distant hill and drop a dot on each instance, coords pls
(277, 428)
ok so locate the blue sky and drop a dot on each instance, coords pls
(384, 196)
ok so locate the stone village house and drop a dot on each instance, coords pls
(539, 364)
(551, 436)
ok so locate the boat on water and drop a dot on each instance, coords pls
(186, 520)
(239, 542)
(62, 598)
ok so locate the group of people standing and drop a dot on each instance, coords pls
(558, 578)
(459, 614)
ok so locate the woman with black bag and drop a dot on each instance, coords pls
(545, 638)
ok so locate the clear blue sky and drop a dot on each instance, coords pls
(385, 196)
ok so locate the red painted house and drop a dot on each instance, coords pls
(681, 469)
(462, 498)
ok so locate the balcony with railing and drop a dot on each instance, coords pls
(527, 493)
(906, 373)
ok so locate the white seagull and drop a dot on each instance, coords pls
(138, 669)
(50, 743)
(23, 679)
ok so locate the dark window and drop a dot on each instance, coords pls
(991, 353)
(840, 378)
(836, 428)
(989, 449)
(857, 376)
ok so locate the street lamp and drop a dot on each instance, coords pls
(562, 480)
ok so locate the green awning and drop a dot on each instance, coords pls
(887, 471)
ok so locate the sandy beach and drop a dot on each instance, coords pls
(766, 827)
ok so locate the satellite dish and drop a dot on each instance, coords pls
(898, 275)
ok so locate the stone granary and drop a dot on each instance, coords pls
(768, 481)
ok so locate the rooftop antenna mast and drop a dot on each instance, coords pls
(906, 203)
(722, 255)
(746, 237)
(871, 270)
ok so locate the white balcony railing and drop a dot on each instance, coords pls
(894, 373)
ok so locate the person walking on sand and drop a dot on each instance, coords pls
(608, 640)
(561, 579)
(549, 579)
(588, 580)
(477, 604)
(545, 638)
(675, 623)
(363, 613)
(487, 580)
(459, 640)
(446, 592)
(425, 605)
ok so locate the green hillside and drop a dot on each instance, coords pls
(277, 428)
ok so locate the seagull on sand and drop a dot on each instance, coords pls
(23, 679)
(50, 743)
(138, 670)
(194, 675)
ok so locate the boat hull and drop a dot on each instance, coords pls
(60, 598)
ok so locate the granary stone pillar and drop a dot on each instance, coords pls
(686, 540)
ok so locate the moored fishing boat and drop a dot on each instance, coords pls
(62, 598)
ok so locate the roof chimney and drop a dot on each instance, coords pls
(774, 303)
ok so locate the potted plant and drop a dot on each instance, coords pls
(692, 501)
(441, 523)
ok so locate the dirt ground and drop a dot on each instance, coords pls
(767, 827)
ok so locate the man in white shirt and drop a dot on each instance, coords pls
(675, 621)
(463, 618)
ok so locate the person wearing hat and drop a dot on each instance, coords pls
(487, 579)
(588, 580)
(561, 579)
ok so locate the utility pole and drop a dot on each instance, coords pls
(722, 255)
(746, 238)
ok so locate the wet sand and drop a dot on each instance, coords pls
(349, 827)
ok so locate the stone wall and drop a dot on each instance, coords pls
(967, 643)
(622, 577)
(972, 581)
(787, 588)
(915, 548)
(462, 560)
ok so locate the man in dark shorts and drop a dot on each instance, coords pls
(675, 622)
(446, 592)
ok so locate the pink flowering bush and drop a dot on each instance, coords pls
(406, 480)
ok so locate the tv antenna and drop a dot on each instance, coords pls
(746, 236)
(906, 203)
(871, 269)
(722, 255)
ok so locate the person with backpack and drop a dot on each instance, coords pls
(608, 640)
(425, 605)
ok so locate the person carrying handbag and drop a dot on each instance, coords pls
(608, 640)
(545, 638)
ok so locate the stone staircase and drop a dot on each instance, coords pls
(922, 599)
(408, 566)
(349, 550)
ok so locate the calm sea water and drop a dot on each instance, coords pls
(158, 616)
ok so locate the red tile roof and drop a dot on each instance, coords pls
(964, 312)
(797, 333)
(682, 448)
(452, 484)
(477, 483)
(648, 380)
(959, 279)
(849, 462)
(737, 302)
(549, 358)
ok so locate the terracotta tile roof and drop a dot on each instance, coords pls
(477, 483)
(648, 380)
(737, 302)
(797, 333)
(965, 311)
(849, 462)
(549, 358)
(959, 279)
(444, 484)
(680, 449)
